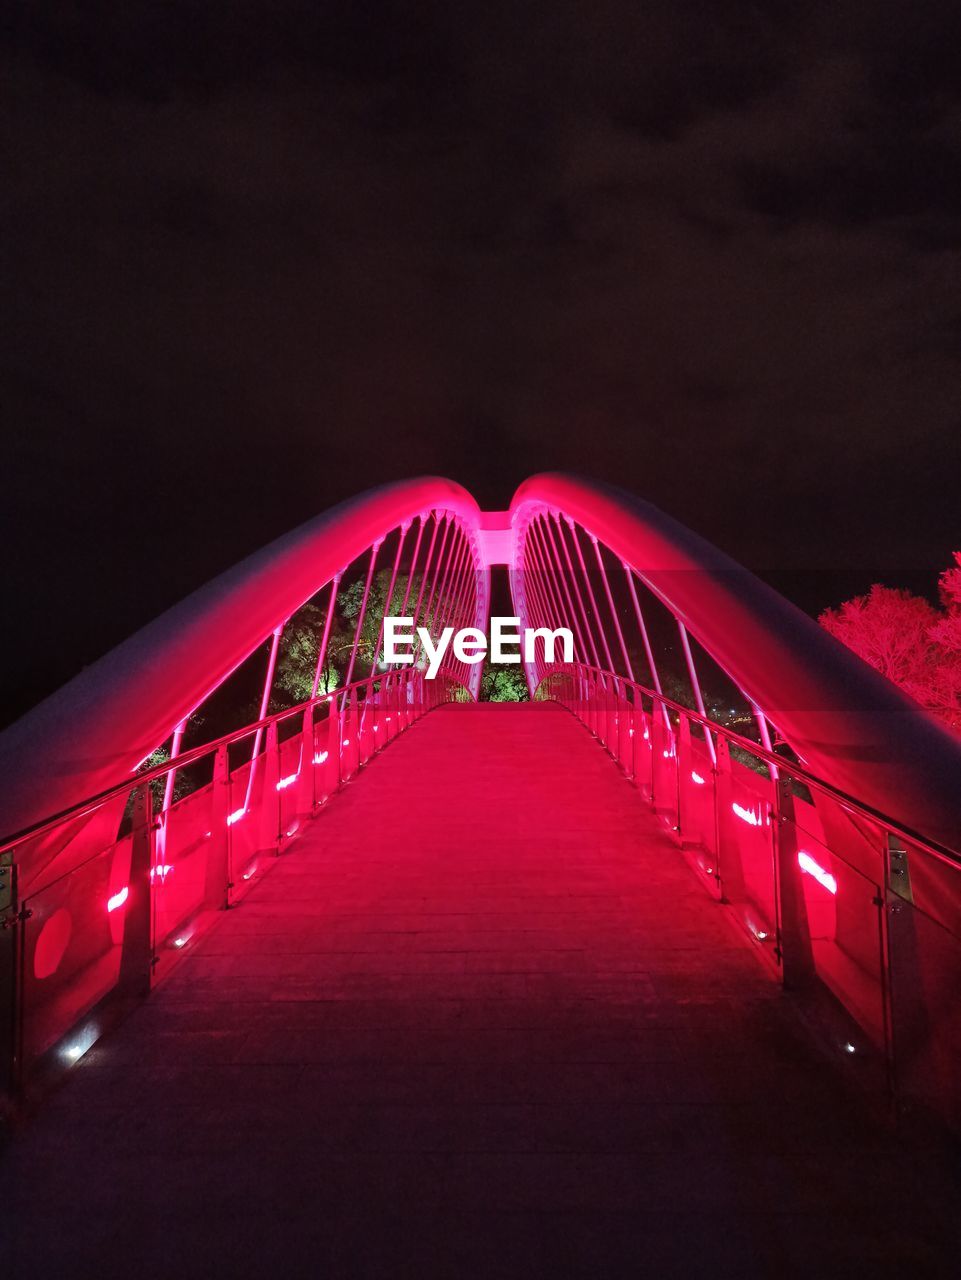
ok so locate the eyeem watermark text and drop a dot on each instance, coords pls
(507, 643)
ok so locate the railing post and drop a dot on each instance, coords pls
(136, 954)
(270, 801)
(347, 743)
(726, 851)
(10, 933)
(676, 756)
(334, 773)
(793, 935)
(217, 881)
(392, 708)
(367, 739)
(888, 905)
(682, 763)
(306, 782)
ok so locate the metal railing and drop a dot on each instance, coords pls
(848, 904)
(107, 924)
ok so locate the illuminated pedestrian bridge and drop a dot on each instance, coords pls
(336, 961)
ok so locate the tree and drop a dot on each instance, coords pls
(300, 640)
(889, 629)
(907, 639)
(503, 684)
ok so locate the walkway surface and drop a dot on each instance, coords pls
(480, 1021)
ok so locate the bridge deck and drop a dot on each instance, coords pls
(481, 1020)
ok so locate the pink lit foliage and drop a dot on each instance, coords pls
(914, 644)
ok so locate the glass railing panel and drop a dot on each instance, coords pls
(664, 768)
(836, 927)
(179, 874)
(72, 943)
(745, 845)
(643, 747)
(290, 791)
(697, 799)
(244, 819)
(924, 925)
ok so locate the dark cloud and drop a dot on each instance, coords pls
(260, 256)
(909, 181)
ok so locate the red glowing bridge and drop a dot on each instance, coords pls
(673, 960)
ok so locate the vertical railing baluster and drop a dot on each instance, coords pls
(11, 930)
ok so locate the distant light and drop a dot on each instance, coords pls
(162, 870)
(746, 815)
(708, 871)
(74, 1051)
(235, 816)
(118, 899)
(180, 942)
(849, 1047)
(807, 863)
(320, 757)
(696, 777)
(346, 742)
(287, 782)
(646, 735)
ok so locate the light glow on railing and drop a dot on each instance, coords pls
(289, 781)
(235, 816)
(812, 868)
(75, 1050)
(746, 815)
(118, 899)
(320, 757)
(162, 870)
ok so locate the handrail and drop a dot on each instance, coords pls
(84, 807)
(798, 772)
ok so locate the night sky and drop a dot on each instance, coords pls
(259, 256)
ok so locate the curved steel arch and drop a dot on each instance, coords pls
(849, 724)
(105, 721)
